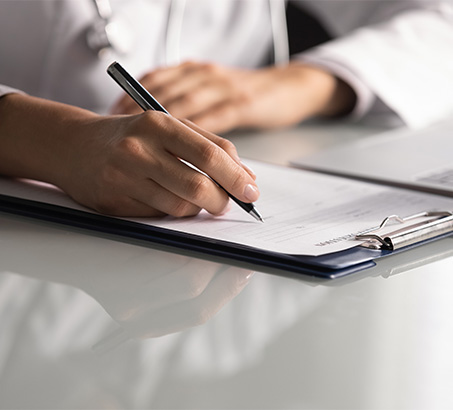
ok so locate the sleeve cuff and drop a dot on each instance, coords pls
(4, 90)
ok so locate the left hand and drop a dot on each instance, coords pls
(220, 98)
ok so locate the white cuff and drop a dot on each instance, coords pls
(8, 90)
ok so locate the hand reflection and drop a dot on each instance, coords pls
(148, 292)
(165, 293)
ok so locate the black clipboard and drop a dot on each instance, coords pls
(377, 242)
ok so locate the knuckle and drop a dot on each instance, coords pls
(150, 120)
(189, 64)
(226, 145)
(198, 187)
(245, 97)
(131, 146)
(148, 78)
(211, 68)
(209, 154)
(189, 99)
(158, 118)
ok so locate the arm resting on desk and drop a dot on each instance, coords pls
(120, 165)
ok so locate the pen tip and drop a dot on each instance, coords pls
(256, 215)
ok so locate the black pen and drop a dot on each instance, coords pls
(145, 100)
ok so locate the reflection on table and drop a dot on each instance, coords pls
(91, 322)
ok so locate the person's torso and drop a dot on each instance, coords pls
(44, 49)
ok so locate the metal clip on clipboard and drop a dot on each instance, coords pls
(412, 229)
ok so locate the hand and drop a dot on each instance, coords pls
(121, 165)
(133, 164)
(179, 292)
(220, 99)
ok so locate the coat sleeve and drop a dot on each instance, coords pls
(4, 89)
(398, 53)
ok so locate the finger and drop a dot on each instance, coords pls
(201, 97)
(191, 188)
(184, 283)
(223, 143)
(184, 84)
(170, 141)
(164, 181)
(154, 79)
(162, 200)
(165, 84)
(212, 160)
(166, 75)
(126, 206)
(145, 199)
(220, 118)
(224, 287)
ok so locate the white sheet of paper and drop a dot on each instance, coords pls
(305, 213)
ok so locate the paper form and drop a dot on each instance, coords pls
(305, 213)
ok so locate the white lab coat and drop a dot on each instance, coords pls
(395, 54)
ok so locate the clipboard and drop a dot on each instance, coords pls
(391, 236)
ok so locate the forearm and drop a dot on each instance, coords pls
(330, 95)
(307, 91)
(219, 98)
(403, 61)
(120, 165)
(36, 135)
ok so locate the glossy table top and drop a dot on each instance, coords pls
(94, 322)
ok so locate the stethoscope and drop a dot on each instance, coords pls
(107, 34)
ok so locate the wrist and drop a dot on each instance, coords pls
(328, 95)
(35, 136)
(341, 102)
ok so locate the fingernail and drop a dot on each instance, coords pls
(251, 192)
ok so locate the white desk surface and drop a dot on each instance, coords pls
(88, 322)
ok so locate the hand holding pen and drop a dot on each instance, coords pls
(148, 103)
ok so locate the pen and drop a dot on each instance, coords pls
(145, 100)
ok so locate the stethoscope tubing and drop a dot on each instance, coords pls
(175, 20)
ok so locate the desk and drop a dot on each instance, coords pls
(90, 322)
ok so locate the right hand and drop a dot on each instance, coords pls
(126, 165)
(131, 166)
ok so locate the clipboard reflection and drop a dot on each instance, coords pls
(148, 292)
(402, 263)
(317, 336)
